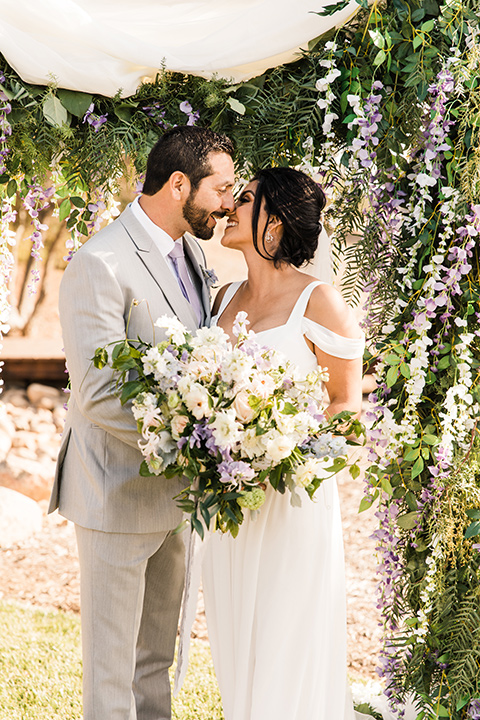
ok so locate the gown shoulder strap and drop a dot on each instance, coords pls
(300, 306)
(229, 293)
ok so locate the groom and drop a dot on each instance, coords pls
(143, 265)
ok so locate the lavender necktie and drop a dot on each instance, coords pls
(177, 255)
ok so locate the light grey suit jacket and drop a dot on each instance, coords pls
(97, 484)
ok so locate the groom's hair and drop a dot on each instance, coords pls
(186, 149)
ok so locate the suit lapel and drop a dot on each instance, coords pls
(157, 267)
(191, 250)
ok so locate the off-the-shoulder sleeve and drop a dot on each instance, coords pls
(331, 343)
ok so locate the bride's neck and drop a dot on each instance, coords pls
(263, 277)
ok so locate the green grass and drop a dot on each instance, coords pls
(40, 670)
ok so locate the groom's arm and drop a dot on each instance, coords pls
(92, 315)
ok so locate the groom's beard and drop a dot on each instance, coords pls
(197, 217)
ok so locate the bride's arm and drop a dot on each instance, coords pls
(344, 387)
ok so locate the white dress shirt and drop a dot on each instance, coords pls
(162, 240)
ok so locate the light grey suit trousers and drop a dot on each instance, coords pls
(131, 564)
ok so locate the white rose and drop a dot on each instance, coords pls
(197, 401)
(280, 447)
(306, 473)
(244, 411)
(178, 425)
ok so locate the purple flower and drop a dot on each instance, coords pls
(96, 121)
(235, 473)
(193, 115)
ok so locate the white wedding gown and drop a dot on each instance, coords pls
(275, 595)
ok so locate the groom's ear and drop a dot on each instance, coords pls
(179, 185)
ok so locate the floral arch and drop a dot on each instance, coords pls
(386, 109)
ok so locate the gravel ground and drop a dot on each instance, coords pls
(43, 572)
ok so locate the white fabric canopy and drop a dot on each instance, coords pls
(101, 46)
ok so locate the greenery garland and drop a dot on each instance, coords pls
(387, 111)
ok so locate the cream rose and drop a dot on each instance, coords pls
(280, 447)
(243, 410)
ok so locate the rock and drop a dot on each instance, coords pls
(7, 434)
(16, 397)
(20, 517)
(20, 416)
(59, 415)
(25, 439)
(44, 396)
(27, 476)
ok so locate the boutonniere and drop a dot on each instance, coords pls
(209, 276)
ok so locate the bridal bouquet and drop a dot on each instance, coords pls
(228, 418)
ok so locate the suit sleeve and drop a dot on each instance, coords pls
(92, 315)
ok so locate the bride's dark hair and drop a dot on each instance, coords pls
(295, 199)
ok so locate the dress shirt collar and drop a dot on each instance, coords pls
(162, 240)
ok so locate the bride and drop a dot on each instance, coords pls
(275, 595)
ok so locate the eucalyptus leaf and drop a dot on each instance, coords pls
(54, 111)
(77, 103)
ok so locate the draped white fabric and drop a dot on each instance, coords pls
(101, 46)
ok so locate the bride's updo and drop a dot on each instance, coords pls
(295, 199)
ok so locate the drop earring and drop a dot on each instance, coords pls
(269, 237)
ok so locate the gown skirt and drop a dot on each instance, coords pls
(275, 595)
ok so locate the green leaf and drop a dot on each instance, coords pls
(379, 58)
(236, 106)
(411, 454)
(130, 389)
(100, 359)
(378, 39)
(408, 521)
(444, 362)
(77, 201)
(417, 467)
(392, 376)
(11, 187)
(144, 471)
(82, 228)
(474, 513)
(77, 103)
(386, 486)
(393, 359)
(442, 711)
(418, 40)
(64, 210)
(197, 525)
(405, 370)
(473, 530)
(462, 702)
(275, 475)
(54, 112)
(430, 439)
(124, 112)
(366, 503)
(354, 471)
(428, 25)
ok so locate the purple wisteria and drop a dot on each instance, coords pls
(157, 113)
(193, 115)
(93, 119)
